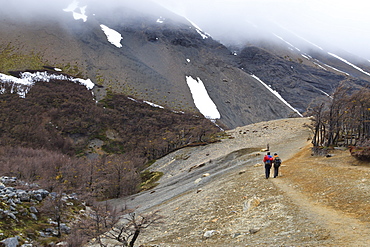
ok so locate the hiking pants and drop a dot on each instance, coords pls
(276, 171)
(267, 170)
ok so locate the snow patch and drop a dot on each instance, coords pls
(23, 84)
(161, 20)
(201, 98)
(78, 12)
(113, 36)
(277, 95)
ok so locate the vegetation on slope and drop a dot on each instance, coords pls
(62, 118)
(344, 120)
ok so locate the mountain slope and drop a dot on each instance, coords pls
(157, 51)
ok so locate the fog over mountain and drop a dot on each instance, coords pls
(326, 22)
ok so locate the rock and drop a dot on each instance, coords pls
(65, 229)
(62, 244)
(24, 196)
(210, 233)
(251, 203)
(253, 231)
(11, 215)
(11, 203)
(197, 181)
(34, 216)
(11, 242)
(33, 210)
(42, 192)
(235, 235)
(205, 175)
(38, 197)
(8, 180)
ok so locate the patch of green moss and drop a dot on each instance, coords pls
(149, 179)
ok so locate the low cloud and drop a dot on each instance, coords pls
(327, 23)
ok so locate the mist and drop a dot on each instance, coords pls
(326, 23)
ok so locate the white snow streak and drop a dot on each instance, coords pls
(277, 36)
(336, 69)
(350, 64)
(277, 95)
(113, 36)
(199, 30)
(319, 65)
(201, 98)
(152, 104)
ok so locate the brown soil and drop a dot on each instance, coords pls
(316, 201)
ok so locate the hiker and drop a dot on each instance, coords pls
(268, 162)
(277, 162)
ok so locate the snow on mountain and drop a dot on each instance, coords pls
(22, 85)
(201, 98)
(338, 70)
(79, 13)
(199, 30)
(345, 61)
(277, 95)
(161, 20)
(113, 36)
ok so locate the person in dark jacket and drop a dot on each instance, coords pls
(277, 162)
(267, 160)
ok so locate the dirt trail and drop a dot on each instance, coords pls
(217, 195)
(345, 228)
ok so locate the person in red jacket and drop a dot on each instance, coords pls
(267, 160)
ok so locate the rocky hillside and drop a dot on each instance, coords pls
(156, 52)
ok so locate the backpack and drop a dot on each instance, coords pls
(277, 161)
(268, 161)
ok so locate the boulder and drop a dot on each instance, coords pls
(33, 210)
(23, 196)
(11, 242)
(210, 233)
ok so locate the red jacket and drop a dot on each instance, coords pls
(268, 157)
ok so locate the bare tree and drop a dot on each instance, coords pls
(106, 222)
(128, 229)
